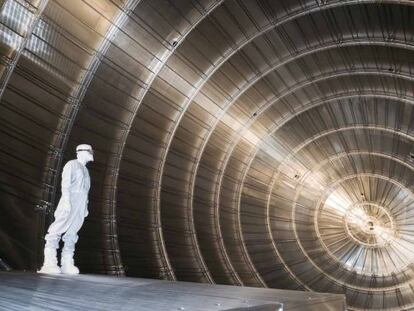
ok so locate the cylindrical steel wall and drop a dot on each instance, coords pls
(258, 143)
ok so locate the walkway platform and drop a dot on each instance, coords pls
(30, 291)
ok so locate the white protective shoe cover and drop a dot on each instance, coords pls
(50, 269)
(68, 266)
(50, 265)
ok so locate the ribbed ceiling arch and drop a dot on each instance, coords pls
(257, 143)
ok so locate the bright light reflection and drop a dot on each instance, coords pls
(357, 218)
(16, 14)
(16, 17)
(338, 202)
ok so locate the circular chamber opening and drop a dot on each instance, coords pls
(370, 224)
(369, 237)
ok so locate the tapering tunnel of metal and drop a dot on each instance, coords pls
(261, 143)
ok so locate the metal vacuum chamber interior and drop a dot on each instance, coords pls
(258, 143)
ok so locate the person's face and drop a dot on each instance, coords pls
(87, 155)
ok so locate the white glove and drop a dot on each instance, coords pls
(86, 209)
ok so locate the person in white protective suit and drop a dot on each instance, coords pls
(70, 213)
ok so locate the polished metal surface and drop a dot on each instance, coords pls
(263, 143)
(28, 291)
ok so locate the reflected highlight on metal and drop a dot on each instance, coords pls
(258, 143)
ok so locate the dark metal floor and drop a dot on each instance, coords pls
(28, 291)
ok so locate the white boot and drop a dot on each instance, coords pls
(50, 265)
(68, 266)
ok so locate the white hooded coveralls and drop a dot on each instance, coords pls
(69, 217)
